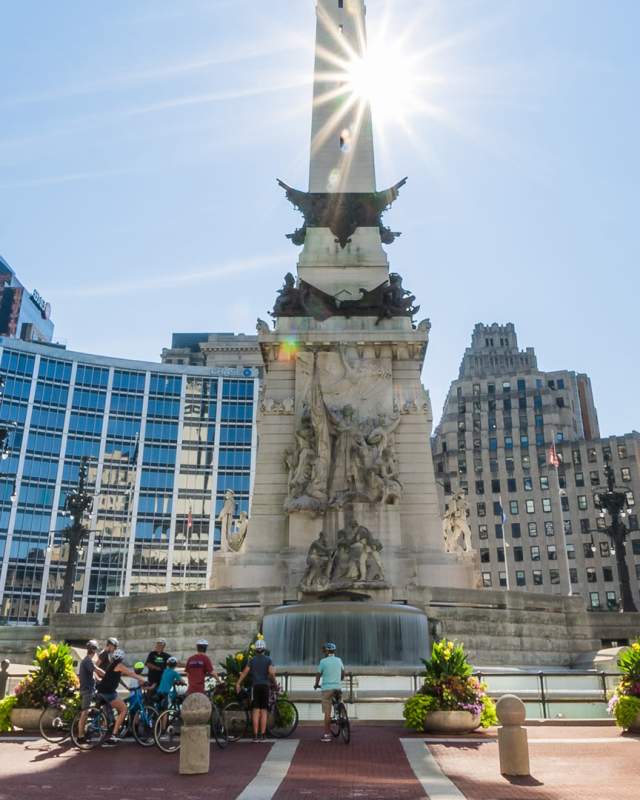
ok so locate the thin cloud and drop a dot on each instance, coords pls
(171, 281)
(70, 177)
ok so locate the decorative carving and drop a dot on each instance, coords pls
(457, 533)
(271, 406)
(343, 213)
(225, 517)
(355, 561)
(236, 539)
(424, 325)
(262, 326)
(384, 302)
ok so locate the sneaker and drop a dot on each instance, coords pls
(256, 739)
(263, 738)
(112, 740)
(326, 737)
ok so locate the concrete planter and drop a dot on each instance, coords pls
(451, 722)
(635, 725)
(27, 719)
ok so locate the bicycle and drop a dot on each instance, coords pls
(282, 716)
(140, 719)
(98, 725)
(168, 724)
(55, 721)
(218, 728)
(339, 725)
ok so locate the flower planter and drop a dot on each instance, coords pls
(27, 719)
(451, 722)
(635, 725)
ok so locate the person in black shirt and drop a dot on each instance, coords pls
(104, 656)
(263, 674)
(156, 663)
(86, 674)
(108, 689)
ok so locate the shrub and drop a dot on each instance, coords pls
(626, 710)
(416, 709)
(6, 707)
(625, 701)
(52, 679)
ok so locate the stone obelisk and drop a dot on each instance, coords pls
(344, 494)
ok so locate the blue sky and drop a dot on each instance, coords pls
(141, 141)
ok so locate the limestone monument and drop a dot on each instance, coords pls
(344, 493)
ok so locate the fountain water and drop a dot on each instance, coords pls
(370, 635)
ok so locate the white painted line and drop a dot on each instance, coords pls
(433, 780)
(272, 772)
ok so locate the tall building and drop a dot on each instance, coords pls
(23, 315)
(164, 443)
(214, 350)
(534, 528)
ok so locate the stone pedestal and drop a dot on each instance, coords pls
(513, 744)
(195, 748)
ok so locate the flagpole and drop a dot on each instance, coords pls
(504, 539)
(554, 461)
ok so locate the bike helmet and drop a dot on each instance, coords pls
(112, 640)
(202, 643)
(261, 644)
(172, 662)
(138, 667)
(161, 641)
(118, 655)
(330, 647)
(92, 645)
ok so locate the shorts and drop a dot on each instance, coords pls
(260, 697)
(327, 699)
(108, 697)
(161, 701)
(86, 696)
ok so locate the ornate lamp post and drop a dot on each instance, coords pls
(614, 504)
(76, 505)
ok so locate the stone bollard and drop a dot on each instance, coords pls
(4, 676)
(513, 744)
(194, 736)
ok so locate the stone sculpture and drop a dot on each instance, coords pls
(354, 562)
(457, 533)
(262, 326)
(241, 525)
(288, 299)
(226, 515)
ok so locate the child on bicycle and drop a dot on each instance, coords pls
(329, 678)
(170, 678)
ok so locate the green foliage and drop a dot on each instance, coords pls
(629, 661)
(625, 711)
(52, 679)
(6, 707)
(286, 714)
(233, 665)
(488, 715)
(448, 660)
(416, 709)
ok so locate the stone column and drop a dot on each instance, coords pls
(513, 745)
(194, 746)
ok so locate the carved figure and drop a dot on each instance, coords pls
(457, 533)
(262, 326)
(349, 448)
(396, 300)
(288, 299)
(227, 512)
(236, 539)
(319, 563)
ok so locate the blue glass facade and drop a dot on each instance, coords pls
(164, 442)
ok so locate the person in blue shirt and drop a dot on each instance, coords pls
(329, 679)
(170, 678)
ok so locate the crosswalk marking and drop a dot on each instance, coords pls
(433, 780)
(272, 772)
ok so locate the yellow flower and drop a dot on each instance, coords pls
(261, 637)
(46, 638)
(636, 647)
(239, 656)
(42, 655)
(53, 649)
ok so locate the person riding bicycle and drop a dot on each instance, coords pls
(329, 678)
(105, 655)
(198, 667)
(108, 689)
(86, 673)
(170, 678)
(263, 674)
(156, 662)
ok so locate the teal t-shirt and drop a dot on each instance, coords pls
(169, 677)
(331, 668)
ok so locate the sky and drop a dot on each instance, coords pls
(141, 141)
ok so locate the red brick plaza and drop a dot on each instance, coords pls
(382, 761)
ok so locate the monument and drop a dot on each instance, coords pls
(344, 495)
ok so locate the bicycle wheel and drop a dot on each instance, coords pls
(167, 730)
(143, 725)
(236, 720)
(345, 725)
(283, 719)
(96, 729)
(53, 725)
(218, 729)
(334, 725)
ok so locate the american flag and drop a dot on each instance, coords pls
(189, 520)
(553, 459)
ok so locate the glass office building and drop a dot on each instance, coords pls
(163, 443)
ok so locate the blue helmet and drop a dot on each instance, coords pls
(330, 647)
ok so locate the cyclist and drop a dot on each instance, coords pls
(156, 662)
(108, 689)
(105, 655)
(86, 673)
(170, 678)
(262, 673)
(329, 678)
(198, 666)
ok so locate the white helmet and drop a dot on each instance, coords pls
(261, 644)
(202, 643)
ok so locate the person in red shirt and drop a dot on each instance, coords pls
(198, 667)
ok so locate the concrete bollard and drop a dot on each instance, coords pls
(194, 738)
(513, 744)
(4, 676)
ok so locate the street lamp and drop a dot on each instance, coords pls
(615, 504)
(76, 505)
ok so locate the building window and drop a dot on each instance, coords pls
(605, 552)
(612, 602)
(622, 451)
(592, 455)
(500, 552)
(479, 487)
(530, 506)
(481, 509)
(493, 443)
(516, 533)
(601, 523)
(582, 502)
(497, 508)
(571, 552)
(486, 580)
(537, 577)
(508, 442)
(520, 578)
(594, 597)
(594, 477)
(573, 575)
(512, 485)
(564, 502)
(522, 385)
(554, 577)
(485, 556)
(483, 532)
(630, 499)
(509, 465)
(576, 457)
(625, 473)
(579, 477)
(506, 386)
(544, 483)
(607, 574)
(567, 527)
(546, 505)
(552, 553)
(528, 484)
(513, 506)
(587, 552)
(476, 390)
(518, 553)
(491, 388)
(495, 486)
(493, 466)
(606, 453)
(591, 575)
(340, 3)
(585, 526)
(499, 531)
(533, 529)
(526, 462)
(502, 579)
(548, 528)
(535, 552)
(562, 480)
(633, 522)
